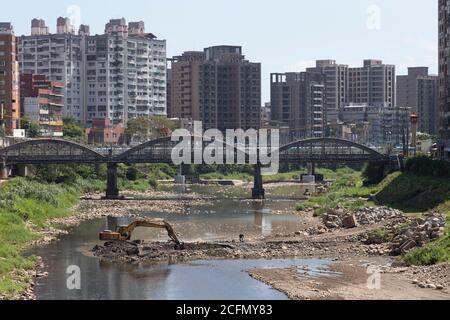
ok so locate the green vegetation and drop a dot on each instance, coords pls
(149, 128)
(424, 166)
(72, 129)
(32, 129)
(27, 204)
(347, 191)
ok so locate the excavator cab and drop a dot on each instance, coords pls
(124, 233)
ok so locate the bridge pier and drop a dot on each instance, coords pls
(112, 191)
(186, 173)
(22, 170)
(19, 170)
(258, 192)
(311, 169)
(3, 171)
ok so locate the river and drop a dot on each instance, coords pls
(226, 217)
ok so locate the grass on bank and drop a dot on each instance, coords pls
(346, 191)
(23, 202)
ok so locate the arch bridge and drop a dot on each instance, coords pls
(57, 151)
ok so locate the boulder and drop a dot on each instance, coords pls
(349, 222)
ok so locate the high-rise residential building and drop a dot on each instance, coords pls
(418, 91)
(336, 83)
(218, 87)
(444, 76)
(298, 100)
(9, 80)
(119, 75)
(373, 84)
(58, 57)
(42, 102)
(125, 73)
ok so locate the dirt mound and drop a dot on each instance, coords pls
(160, 251)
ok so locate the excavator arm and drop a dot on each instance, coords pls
(124, 233)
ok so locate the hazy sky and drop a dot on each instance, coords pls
(284, 35)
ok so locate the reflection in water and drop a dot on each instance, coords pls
(261, 219)
(223, 219)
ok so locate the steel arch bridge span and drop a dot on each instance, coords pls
(50, 151)
(328, 150)
(160, 151)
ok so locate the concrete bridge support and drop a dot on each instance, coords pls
(258, 192)
(4, 172)
(187, 172)
(311, 169)
(112, 191)
(22, 170)
(19, 170)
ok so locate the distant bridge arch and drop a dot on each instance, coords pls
(49, 151)
(160, 150)
(328, 150)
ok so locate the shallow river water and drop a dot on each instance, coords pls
(223, 218)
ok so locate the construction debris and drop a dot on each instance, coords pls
(419, 232)
(339, 218)
(367, 216)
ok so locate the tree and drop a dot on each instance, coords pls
(73, 129)
(32, 129)
(149, 128)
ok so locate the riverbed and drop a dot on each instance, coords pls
(229, 214)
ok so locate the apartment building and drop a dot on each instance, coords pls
(58, 57)
(298, 100)
(218, 87)
(418, 91)
(125, 73)
(9, 80)
(444, 77)
(120, 74)
(373, 84)
(42, 102)
(336, 83)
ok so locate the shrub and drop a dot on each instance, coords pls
(425, 166)
(132, 173)
(374, 172)
(427, 256)
(153, 183)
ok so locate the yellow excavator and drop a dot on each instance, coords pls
(124, 233)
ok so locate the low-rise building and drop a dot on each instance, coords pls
(374, 126)
(104, 132)
(42, 103)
